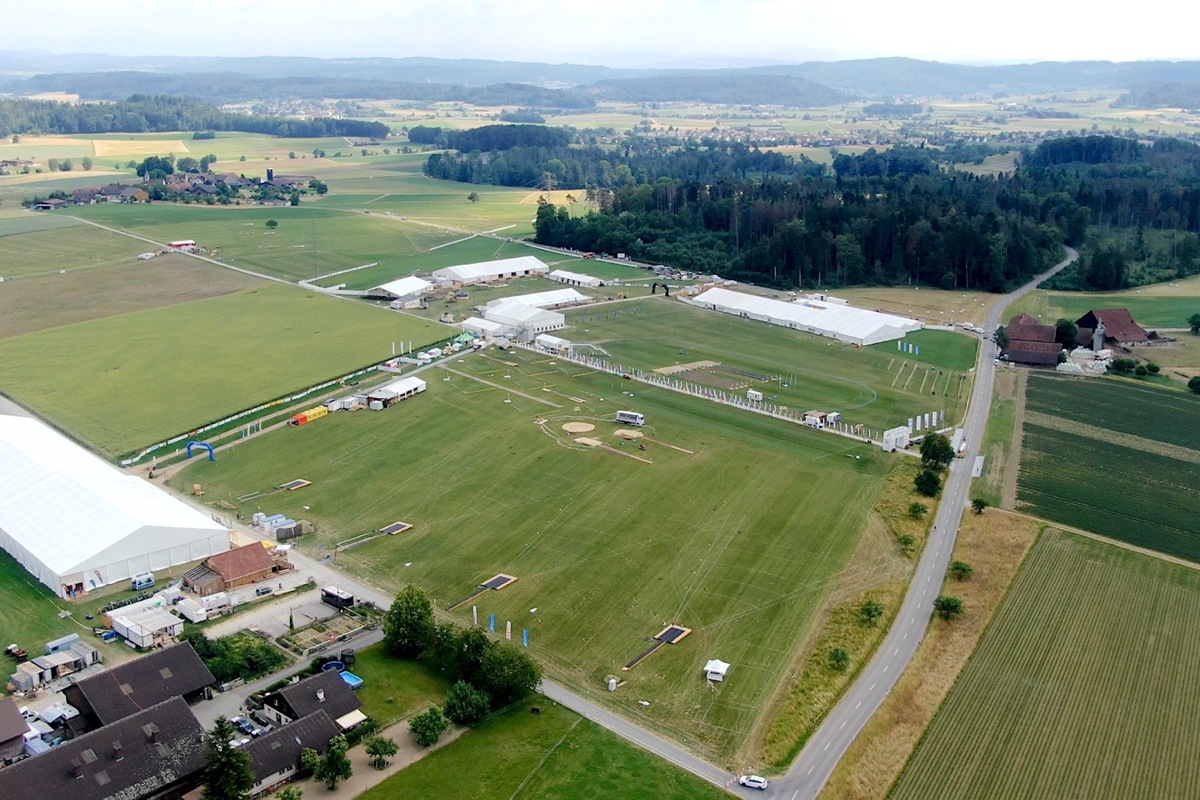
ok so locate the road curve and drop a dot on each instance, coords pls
(821, 754)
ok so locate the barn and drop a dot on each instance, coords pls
(77, 523)
(1104, 327)
(485, 271)
(1031, 343)
(823, 317)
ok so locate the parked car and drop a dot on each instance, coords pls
(244, 725)
(752, 781)
(263, 590)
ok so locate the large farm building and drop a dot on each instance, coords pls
(78, 523)
(823, 317)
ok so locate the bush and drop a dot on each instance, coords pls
(917, 511)
(467, 704)
(948, 607)
(839, 659)
(428, 726)
(928, 483)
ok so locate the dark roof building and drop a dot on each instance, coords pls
(325, 691)
(1030, 342)
(156, 753)
(12, 729)
(274, 758)
(1118, 327)
(117, 693)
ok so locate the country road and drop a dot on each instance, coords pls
(821, 754)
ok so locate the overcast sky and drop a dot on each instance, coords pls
(615, 32)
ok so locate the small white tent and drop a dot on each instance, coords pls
(715, 670)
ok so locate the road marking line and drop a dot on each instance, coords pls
(857, 705)
(842, 725)
(872, 687)
(827, 745)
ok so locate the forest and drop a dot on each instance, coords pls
(897, 217)
(144, 113)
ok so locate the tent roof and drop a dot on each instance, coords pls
(514, 312)
(482, 324)
(65, 505)
(717, 665)
(488, 269)
(554, 297)
(824, 318)
(567, 275)
(402, 287)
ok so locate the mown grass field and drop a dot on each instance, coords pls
(45, 245)
(740, 541)
(555, 754)
(1084, 685)
(394, 687)
(124, 382)
(877, 386)
(1115, 458)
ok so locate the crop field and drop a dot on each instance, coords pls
(878, 386)
(1084, 685)
(124, 382)
(936, 306)
(1088, 462)
(555, 754)
(739, 541)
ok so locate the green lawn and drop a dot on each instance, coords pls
(877, 386)
(554, 754)
(394, 687)
(60, 243)
(1157, 306)
(1084, 685)
(126, 382)
(740, 541)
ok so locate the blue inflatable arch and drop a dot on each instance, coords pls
(212, 456)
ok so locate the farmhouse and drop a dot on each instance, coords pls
(78, 523)
(523, 321)
(463, 274)
(157, 752)
(124, 690)
(575, 279)
(275, 758)
(325, 691)
(823, 318)
(404, 293)
(555, 298)
(1031, 343)
(1104, 327)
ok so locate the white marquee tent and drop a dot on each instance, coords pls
(841, 322)
(575, 278)
(519, 267)
(555, 298)
(716, 670)
(401, 288)
(518, 317)
(78, 523)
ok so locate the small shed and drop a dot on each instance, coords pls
(715, 670)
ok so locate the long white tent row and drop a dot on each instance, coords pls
(77, 523)
(484, 271)
(554, 298)
(834, 320)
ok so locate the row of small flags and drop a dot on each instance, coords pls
(931, 419)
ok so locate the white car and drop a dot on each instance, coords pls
(752, 781)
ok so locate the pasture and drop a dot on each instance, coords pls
(877, 386)
(124, 382)
(740, 541)
(1161, 305)
(1089, 462)
(554, 754)
(1084, 685)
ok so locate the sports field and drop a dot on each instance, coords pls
(1114, 457)
(739, 541)
(125, 382)
(877, 386)
(1083, 686)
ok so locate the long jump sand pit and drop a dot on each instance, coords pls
(578, 427)
(628, 434)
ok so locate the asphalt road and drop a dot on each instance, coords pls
(827, 746)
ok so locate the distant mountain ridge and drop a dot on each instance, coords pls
(877, 78)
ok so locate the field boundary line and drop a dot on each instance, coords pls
(545, 756)
(1182, 562)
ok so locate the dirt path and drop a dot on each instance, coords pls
(1012, 470)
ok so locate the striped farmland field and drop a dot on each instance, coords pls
(1085, 685)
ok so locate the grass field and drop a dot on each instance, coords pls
(46, 245)
(1083, 686)
(125, 382)
(936, 306)
(740, 541)
(555, 754)
(1163, 305)
(878, 386)
(394, 687)
(1088, 462)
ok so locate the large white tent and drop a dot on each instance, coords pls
(518, 317)
(554, 298)
(835, 320)
(401, 288)
(519, 267)
(78, 523)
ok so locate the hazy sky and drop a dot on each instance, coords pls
(615, 32)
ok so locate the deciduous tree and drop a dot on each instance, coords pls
(380, 749)
(839, 659)
(1194, 384)
(947, 607)
(979, 504)
(869, 612)
(508, 673)
(917, 510)
(928, 483)
(936, 451)
(428, 726)
(961, 570)
(408, 626)
(466, 704)
(1194, 324)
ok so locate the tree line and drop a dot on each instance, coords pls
(143, 113)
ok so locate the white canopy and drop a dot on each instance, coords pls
(553, 298)
(401, 287)
(70, 518)
(842, 322)
(715, 670)
(493, 270)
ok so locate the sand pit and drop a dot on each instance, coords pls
(578, 427)
(628, 434)
(588, 442)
